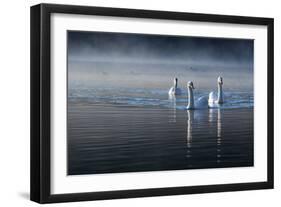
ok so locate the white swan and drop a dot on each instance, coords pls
(201, 102)
(215, 99)
(175, 90)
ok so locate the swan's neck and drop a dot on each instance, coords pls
(190, 98)
(220, 95)
(175, 84)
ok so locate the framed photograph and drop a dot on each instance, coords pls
(133, 103)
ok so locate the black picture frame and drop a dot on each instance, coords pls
(41, 98)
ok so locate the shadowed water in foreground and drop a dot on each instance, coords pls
(112, 138)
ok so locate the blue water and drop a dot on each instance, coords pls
(113, 130)
(155, 97)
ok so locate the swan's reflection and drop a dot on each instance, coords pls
(190, 119)
(219, 137)
(215, 116)
(215, 125)
(219, 124)
(173, 114)
(193, 117)
(211, 115)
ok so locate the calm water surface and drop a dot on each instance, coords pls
(132, 130)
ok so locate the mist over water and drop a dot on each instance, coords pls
(99, 59)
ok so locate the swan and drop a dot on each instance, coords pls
(201, 102)
(214, 98)
(175, 90)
